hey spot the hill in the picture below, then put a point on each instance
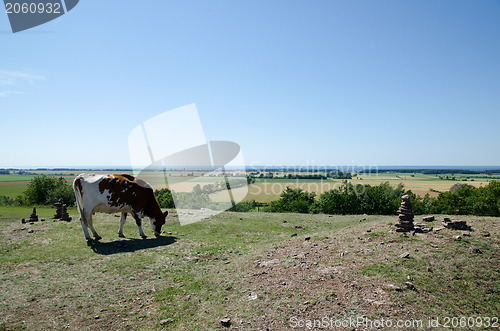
(246, 270)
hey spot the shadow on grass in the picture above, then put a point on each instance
(129, 245)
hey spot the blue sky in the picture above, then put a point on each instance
(293, 82)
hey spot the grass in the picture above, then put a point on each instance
(12, 190)
(258, 269)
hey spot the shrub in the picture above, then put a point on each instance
(293, 201)
(45, 190)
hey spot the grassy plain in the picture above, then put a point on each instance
(259, 270)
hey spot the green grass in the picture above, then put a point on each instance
(13, 190)
(15, 178)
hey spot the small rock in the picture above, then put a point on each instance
(299, 227)
(369, 230)
(226, 322)
(476, 250)
(428, 219)
(410, 285)
(31, 231)
(394, 287)
(307, 238)
(96, 317)
(405, 255)
(486, 234)
(293, 235)
(434, 246)
(429, 269)
(457, 237)
(166, 321)
(409, 277)
(285, 222)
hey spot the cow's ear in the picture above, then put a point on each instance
(165, 213)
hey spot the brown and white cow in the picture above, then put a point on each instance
(116, 193)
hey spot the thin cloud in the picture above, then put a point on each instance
(16, 80)
(5, 94)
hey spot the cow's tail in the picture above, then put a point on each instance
(77, 187)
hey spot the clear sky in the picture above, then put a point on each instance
(294, 82)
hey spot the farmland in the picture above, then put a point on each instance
(269, 189)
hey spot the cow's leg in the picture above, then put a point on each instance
(83, 220)
(91, 226)
(139, 223)
(122, 223)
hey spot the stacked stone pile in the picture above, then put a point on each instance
(405, 221)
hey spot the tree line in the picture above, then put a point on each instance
(42, 190)
(462, 199)
(385, 200)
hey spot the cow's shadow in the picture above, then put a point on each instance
(130, 245)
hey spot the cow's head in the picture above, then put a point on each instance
(157, 223)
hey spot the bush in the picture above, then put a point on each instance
(293, 201)
(45, 190)
(6, 201)
(164, 197)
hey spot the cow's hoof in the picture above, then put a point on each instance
(98, 238)
(121, 235)
(144, 237)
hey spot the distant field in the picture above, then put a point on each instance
(12, 189)
(265, 190)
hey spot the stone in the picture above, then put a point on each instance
(456, 225)
(476, 250)
(166, 321)
(428, 219)
(410, 285)
(405, 255)
(394, 287)
(226, 322)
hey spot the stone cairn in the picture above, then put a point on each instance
(59, 204)
(405, 221)
(61, 211)
(33, 217)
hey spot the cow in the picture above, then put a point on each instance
(116, 193)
